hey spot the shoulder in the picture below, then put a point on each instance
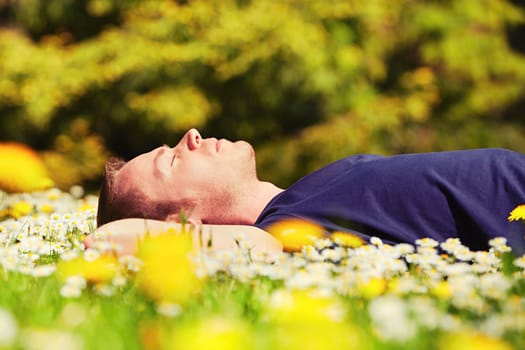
(336, 169)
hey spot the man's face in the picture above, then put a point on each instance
(203, 170)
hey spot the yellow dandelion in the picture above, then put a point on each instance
(307, 320)
(518, 213)
(295, 233)
(21, 169)
(394, 286)
(213, 333)
(167, 274)
(4, 213)
(100, 270)
(372, 287)
(46, 208)
(441, 290)
(470, 340)
(21, 208)
(346, 239)
(151, 335)
(53, 194)
(86, 207)
(303, 306)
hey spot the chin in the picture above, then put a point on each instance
(246, 146)
(247, 156)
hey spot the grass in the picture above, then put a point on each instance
(54, 294)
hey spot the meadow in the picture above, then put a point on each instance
(331, 293)
(306, 82)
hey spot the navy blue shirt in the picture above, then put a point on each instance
(465, 194)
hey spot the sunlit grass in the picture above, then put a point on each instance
(336, 293)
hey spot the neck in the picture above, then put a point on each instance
(251, 204)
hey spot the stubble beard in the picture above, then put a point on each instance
(224, 204)
(250, 161)
(227, 203)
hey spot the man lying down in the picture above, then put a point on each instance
(465, 194)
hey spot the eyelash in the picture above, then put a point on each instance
(173, 158)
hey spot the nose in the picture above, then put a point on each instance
(193, 139)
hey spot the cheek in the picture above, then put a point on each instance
(196, 176)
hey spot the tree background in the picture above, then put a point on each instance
(305, 81)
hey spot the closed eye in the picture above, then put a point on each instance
(175, 155)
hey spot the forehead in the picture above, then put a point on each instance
(138, 171)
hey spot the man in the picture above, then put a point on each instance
(464, 194)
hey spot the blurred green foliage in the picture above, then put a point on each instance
(305, 81)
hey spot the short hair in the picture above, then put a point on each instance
(114, 204)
